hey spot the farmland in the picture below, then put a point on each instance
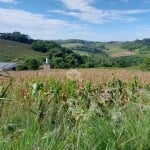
(73, 53)
(15, 51)
(94, 75)
(75, 109)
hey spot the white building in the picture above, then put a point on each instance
(47, 64)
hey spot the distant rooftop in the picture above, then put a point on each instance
(7, 65)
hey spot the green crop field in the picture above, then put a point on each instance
(82, 53)
(66, 109)
(114, 48)
(72, 45)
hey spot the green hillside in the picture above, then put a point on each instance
(140, 47)
(72, 45)
(82, 53)
(80, 46)
(78, 53)
(110, 54)
(114, 49)
(15, 51)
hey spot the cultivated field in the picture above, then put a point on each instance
(83, 109)
(94, 75)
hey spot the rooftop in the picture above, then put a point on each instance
(7, 65)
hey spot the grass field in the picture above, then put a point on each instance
(94, 75)
(72, 45)
(14, 51)
(79, 109)
(116, 50)
(82, 53)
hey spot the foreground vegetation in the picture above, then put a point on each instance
(49, 113)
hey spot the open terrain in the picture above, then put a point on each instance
(75, 109)
(75, 53)
(113, 49)
(15, 51)
(95, 75)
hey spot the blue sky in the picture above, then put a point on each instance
(96, 20)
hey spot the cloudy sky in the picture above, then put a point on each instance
(96, 20)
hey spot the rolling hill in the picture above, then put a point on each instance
(15, 51)
(95, 54)
(113, 49)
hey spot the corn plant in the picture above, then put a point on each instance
(68, 114)
(4, 88)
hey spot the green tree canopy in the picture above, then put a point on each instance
(16, 36)
(44, 46)
(32, 63)
(64, 58)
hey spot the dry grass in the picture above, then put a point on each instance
(125, 53)
(50, 114)
(95, 75)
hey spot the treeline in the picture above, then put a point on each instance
(73, 41)
(140, 45)
(89, 49)
(83, 45)
(17, 37)
(44, 46)
(106, 61)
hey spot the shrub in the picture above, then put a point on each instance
(32, 63)
(22, 67)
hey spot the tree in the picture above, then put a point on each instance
(44, 46)
(39, 46)
(16, 36)
(64, 58)
(146, 64)
(32, 63)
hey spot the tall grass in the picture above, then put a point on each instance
(56, 114)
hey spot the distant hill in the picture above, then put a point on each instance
(15, 51)
(114, 49)
(16, 36)
(141, 47)
(83, 47)
(74, 53)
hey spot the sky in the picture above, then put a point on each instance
(94, 20)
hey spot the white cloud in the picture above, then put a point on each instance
(83, 10)
(8, 1)
(36, 25)
(39, 26)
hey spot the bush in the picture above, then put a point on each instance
(32, 63)
(127, 61)
(29, 64)
(44, 46)
(22, 67)
(146, 64)
(64, 58)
